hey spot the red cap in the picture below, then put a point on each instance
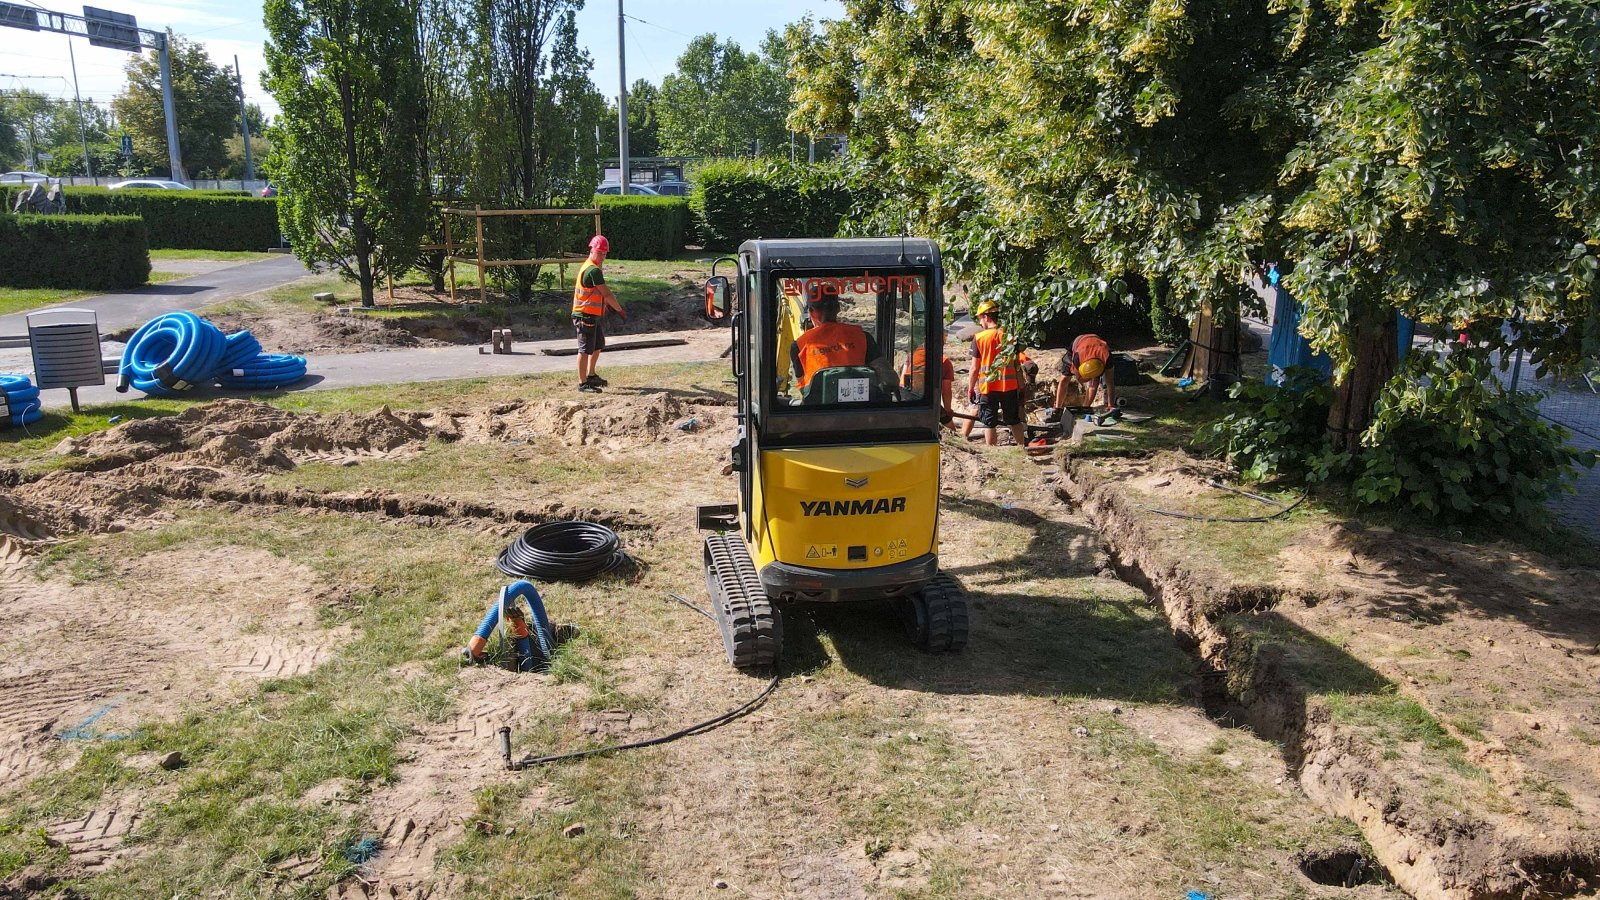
(599, 242)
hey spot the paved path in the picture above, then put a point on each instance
(343, 370)
(133, 308)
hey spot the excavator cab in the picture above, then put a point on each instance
(837, 456)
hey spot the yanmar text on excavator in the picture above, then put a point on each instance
(837, 352)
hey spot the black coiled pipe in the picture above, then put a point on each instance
(562, 551)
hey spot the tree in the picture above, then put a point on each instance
(345, 147)
(32, 119)
(444, 153)
(721, 99)
(1432, 158)
(202, 96)
(534, 110)
(644, 120)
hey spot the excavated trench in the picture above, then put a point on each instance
(1246, 683)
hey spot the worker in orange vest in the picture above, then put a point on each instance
(995, 380)
(590, 299)
(1085, 367)
(829, 343)
(914, 377)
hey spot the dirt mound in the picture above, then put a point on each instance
(240, 434)
(614, 422)
(324, 332)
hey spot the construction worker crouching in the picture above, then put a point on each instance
(590, 300)
(1082, 371)
(995, 381)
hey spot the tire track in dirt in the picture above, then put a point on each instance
(95, 841)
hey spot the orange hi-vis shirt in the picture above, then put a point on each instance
(997, 369)
(587, 301)
(1090, 346)
(827, 345)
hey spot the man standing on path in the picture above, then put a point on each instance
(995, 380)
(590, 298)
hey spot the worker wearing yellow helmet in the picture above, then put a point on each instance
(1084, 369)
(995, 379)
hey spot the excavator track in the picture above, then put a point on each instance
(935, 617)
(752, 631)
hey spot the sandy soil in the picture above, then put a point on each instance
(1500, 645)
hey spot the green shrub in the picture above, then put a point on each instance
(737, 200)
(1278, 430)
(641, 227)
(1447, 441)
(79, 252)
(186, 220)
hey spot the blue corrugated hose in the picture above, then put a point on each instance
(264, 372)
(242, 347)
(21, 405)
(170, 354)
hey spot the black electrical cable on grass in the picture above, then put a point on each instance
(697, 728)
(1283, 509)
(562, 551)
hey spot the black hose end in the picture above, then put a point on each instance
(504, 737)
(123, 381)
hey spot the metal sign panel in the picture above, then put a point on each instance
(127, 145)
(14, 16)
(118, 31)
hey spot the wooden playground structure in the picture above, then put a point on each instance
(480, 259)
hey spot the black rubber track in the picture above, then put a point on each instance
(752, 631)
(935, 617)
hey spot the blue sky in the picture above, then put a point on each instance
(39, 61)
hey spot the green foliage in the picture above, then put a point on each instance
(640, 227)
(1451, 444)
(72, 251)
(1277, 430)
(182, 220)
(346, 146)
(203, 96)
(737, 200)
(1167, 323)
(722, 98)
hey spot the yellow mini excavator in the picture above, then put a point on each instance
(837, 351)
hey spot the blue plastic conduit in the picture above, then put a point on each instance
(241, 347)
(20, 404)
(530, 657)
(170, 354)
(263, 372)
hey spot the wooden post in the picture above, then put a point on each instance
(391, 287)
(450, 255)
(483, 292)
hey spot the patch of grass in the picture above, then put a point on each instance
(14, 300)
(217, 255)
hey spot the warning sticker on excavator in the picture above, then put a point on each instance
(823, 551)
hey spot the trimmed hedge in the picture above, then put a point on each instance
(737, 200)
(641, 227)
(80, 252)
(185, 220)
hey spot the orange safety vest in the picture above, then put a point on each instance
(914, 375)
(1090, 346)
(587, 301)
(830, 344)
(997, 369)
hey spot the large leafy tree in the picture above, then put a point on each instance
(1433, 158)
(345, 146)
(534, 110)
(722, 98)
(644, 120)
(445, 151)
(202, 96)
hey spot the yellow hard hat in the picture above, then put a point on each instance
(1090, 368)
(986, 308)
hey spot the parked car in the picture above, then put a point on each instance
(271, 190)
(24, 178)
(674, 188)
(149, 184)
(615, 187)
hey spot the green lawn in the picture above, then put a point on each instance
(217, 255)
(15, 300)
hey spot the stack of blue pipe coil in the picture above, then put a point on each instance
(19, 401)
(173, 352)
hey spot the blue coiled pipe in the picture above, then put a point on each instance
(242, 347)
(534, 646)
(170, 354)
(265, 371)
(22, 401)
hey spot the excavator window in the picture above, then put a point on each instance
(847, 338)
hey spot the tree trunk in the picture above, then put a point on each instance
(1376, 358)
(1213, 342)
